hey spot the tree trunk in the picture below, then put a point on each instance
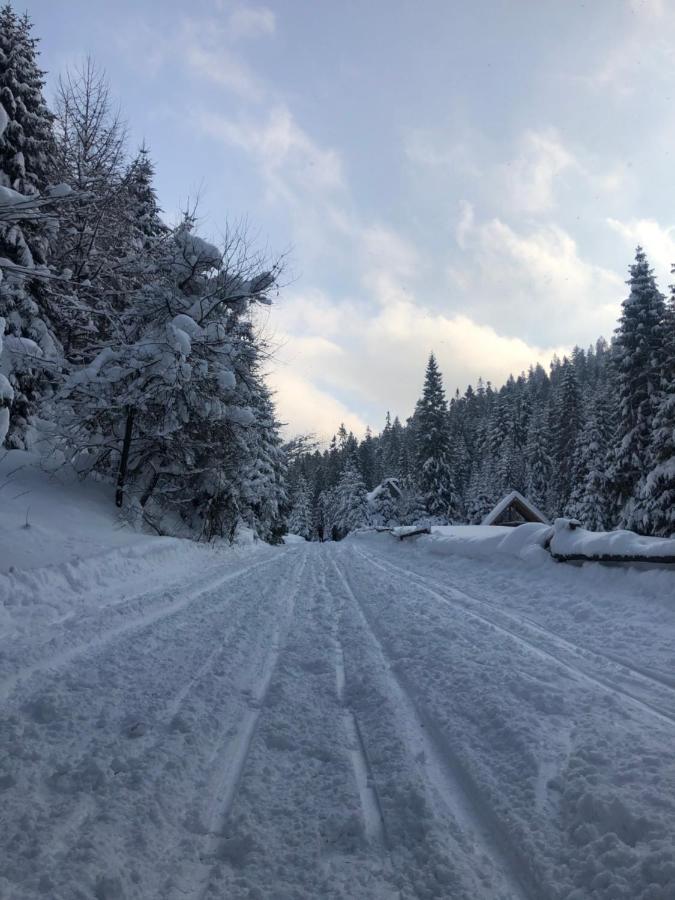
(147, 493)
(124, 461)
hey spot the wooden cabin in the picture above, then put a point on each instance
(514, 509)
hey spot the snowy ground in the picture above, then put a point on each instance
(355, 720)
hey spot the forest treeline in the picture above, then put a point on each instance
(593, 438)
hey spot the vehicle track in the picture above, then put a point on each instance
(512, 878)
(161, 739)
(230, 755)
(436, 591)
(94, 644)
(517, 618)
(371, 807)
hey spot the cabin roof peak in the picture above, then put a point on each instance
(521, 505)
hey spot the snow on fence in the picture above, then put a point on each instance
(565, 541)
(569, 542)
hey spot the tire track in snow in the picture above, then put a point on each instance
(371, 808)
(230, 755)
(521, 619)
(510, 873)
(435, 590)
(70, 825)
(136, 624)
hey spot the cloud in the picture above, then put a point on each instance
(203, 46)
(303, 408)
(531, 178)
(289, 160)
(375, 356)
(534, 282)
(653, 9)
(658, 242)
(250, 21)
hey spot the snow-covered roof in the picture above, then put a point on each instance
(525, 507)
(389, 484)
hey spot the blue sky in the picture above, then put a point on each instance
(468, 178)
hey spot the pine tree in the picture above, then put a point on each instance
(264, 474)
(655, 504)
(300, 519)
(351, 509)
(384, 508)
(589, 498)
(411, 508)
(637, 357)
(367, 461)
(436, 478)
(26, 145)
(538, 459)
(568, 422)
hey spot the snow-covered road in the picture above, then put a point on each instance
(356, 720)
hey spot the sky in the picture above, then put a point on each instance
(464, 178)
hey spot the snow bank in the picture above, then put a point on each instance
(571, 541)
(51, 592)
(63, 547)
(485, 541)
(536, 542)
(293, 539)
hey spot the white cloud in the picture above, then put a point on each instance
(657, 241)
(288, 158)
(204, 46)
(250, 21)
(376, 354)
(535, 282)
(530, 179)
(653, 9)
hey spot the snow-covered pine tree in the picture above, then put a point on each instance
(568, 421)
(384, 508)
(265, 496)
(26, 149)
(654, 511)
(368, 461)
(326, 515)
(480, 495)
(539, 465)
(411, 509)
(300, 518)
(351, 509)
(589, 498)
(436, 480)
(178, 413)
(637, 357)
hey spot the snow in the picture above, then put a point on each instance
(485, 541)
(368, 718)
(4, 119)
(226, 380)
(5, 387)
(389, 485)
(21, 346)
(10, 197)
(576, 541)
(505, 502)
(294, 539)
(60, 190)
